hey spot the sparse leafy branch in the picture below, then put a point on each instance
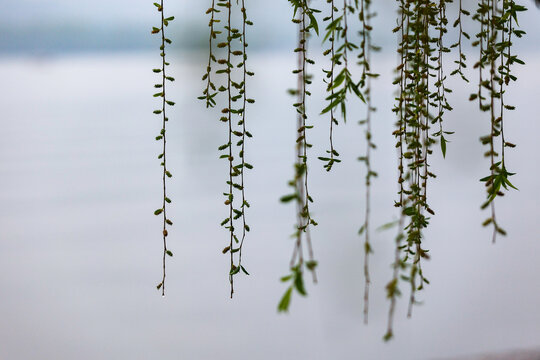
(230, 159)
(494, 40)
(330, 35)
(299, 184)
(245, 134)
(364, 60)
(210, 91)
(296, 280)
(392, 288)
(462, 58)
(162, 134)
(441, 90)
(338, 78)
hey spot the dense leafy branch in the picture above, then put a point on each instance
(231, 45)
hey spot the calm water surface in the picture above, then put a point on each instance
(80, 250)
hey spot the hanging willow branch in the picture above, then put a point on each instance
(392, 288)
(418, 141)
(299, 184)
(462, 58)
(414, 141)
(244, 135)
(495, 40)
(418, 20)
(234, 89)
(421, 105)
(339, 79)
(364, 60)
(162, 134)
(439, 94)
(210, 92)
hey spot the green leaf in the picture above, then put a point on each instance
(313, 23)
(283, 305)
(288, 198)
(362, 229)
(330, 106)
(286, 278)
(443, 146)
(409, 211)
(299, 283)
(387, 226)
(367, 248)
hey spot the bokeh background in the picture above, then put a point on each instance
(80, 251)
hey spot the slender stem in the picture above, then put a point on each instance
(366, 51)
(305, 143)
(163, 64)
(332, 41)
(297, 252)
(231, 166)
(244, 100)
(491, 54)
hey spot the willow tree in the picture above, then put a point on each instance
(420, 108)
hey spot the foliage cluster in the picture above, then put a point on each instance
(421, 103)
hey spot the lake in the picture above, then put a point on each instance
(80, 251)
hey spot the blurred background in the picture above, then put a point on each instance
(80, 251)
